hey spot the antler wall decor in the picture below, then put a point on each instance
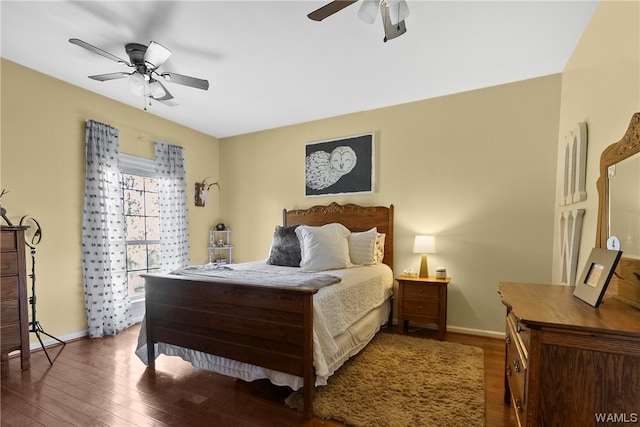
(202, 191)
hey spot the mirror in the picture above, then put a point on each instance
(624, 205)
(619, 209)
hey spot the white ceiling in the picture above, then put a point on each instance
(269, 65)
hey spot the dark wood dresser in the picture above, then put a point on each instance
(568, 363)
(14, 316)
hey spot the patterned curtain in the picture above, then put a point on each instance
(172, 198)
(103, 234)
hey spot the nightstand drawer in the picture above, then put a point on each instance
(420, 290)
(421, 308)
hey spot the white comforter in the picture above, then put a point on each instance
(335, 309)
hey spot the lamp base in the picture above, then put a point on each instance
(424, 269)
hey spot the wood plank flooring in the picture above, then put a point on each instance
(102, 383)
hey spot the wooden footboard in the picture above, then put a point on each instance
(265, 326)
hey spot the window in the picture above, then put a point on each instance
(140, 202)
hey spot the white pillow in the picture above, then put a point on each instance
(324, 248)
(362, 247)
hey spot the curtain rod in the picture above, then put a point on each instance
(138, 134)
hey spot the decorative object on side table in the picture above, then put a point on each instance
(220, 248)
(424, 301)
(596, 275)
(424, 245)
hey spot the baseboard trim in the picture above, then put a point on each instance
(479, 332)
(137, 311)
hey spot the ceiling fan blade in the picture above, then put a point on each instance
(97, 50)
(156, 55)
(185, 80)
(329, 9)
(109, 76)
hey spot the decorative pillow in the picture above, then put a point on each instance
(285, 247)
(378, 255)
(324, 248)
(362, 246)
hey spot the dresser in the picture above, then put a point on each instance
(14, 317)
(568, 363)
(423, 300)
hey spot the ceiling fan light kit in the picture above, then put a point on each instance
(145, 60)
(393, 14)
(156, 55)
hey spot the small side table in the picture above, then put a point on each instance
(423, 300)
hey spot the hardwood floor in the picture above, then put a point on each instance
(102, 383)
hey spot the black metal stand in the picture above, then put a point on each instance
(34, 325)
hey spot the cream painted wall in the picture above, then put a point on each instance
(42, 159)
(600, 86)
(475, 169)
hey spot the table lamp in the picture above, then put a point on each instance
(424, 245)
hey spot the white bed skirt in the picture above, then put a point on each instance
(349, 343)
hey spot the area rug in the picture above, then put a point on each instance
(399, 381)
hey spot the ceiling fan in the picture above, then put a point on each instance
(393, 14)
(145, 79)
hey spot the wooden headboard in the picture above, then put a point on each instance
(354, 217)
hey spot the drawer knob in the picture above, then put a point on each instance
(519, 405)
(508, 371)
(508, 338)
(516, 365)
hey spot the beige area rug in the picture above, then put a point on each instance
(405, 381)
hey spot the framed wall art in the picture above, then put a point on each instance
(596, 275)
(340, 166)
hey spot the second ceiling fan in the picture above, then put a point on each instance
(393, 14)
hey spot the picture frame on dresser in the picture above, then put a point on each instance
(596, 275)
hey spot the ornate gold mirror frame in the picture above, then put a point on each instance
(627, 275)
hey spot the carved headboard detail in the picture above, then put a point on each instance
(354, 217)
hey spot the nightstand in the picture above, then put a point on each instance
(423, 300)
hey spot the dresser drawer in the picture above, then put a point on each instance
(521, 333)
(9, 264)
(420, 291)
(9, 311)
(8, 242)
(516, 371)
(10, 337)
(421, 308)
(9, 288)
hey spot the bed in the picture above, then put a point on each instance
(250, 330)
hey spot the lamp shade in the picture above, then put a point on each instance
(368, 11)
(156, 89)
(156, 55)
(424, 245)
(137, 83)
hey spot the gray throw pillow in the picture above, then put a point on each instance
(285, 247)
